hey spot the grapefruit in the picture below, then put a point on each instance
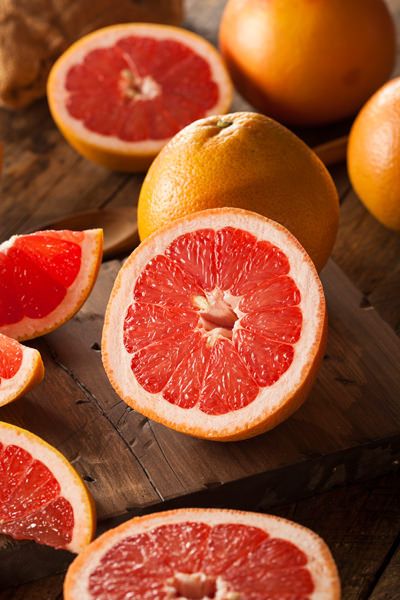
(45, 277)
(308, 63)
(203, 554)
(21, 368)
(216, 325)
(248, 161)
(120, 93)
(42, 497)
(374, 155)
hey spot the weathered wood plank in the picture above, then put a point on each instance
(388, 585)
(68, 416)
(370, 255)
(344, 410)
(360, 523)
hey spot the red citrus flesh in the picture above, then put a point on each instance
(35, 273)
(216, 302)
(158, 564)
(10, 358)
(31, 506)
(140, 88)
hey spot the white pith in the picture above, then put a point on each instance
(71, 486)
(11, 388)
(27, 327)
(270, 399)
(320, 563)
(108, 36)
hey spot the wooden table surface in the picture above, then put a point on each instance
(44, 179)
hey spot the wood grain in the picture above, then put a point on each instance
(44, 179)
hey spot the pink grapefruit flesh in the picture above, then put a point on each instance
(120, 93)
(205, 554)
(20, 369)
(44, 279)
(42, 498)
(214, 320)
(140, 88)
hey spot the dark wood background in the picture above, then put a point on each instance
(44, 179)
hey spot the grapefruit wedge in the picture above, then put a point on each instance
(42, 497)
(45, 277)
(216, 325)
(21, 368)
(119, 94)
(203, 554)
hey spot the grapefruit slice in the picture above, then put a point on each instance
(203, 554)
(21, 368)
(216, 325)
(119, 94)
(45, 277)
(42, 497)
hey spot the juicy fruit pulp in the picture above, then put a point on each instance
(140, 88)
(10, 358)
(190, 560)
(35, 273)
(31, 506)
(214, 318)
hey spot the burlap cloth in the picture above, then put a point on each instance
(34, 32)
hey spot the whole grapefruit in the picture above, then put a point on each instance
(374, 155)
(308, 62)
(243, 160)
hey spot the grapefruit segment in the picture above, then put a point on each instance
(186, 382)
(45, 277)
(164, 282)
(279, 324)
(120, 93)
(215, 325)
(266, 360)
(21, 368)
(205, 553)
(227, 385)
(42, 498)
(194, 253)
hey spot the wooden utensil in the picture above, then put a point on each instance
(332, 152)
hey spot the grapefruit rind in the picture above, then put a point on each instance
(273, 404)
(92, 252)
(72, 487)
(320, 563)
(30, 374)
(109, 151)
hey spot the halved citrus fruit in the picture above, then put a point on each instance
(203, 554)
(120, 93)
(42, 497)
(216, 325)
(21, 368)
(45, 277)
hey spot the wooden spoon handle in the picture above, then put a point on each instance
(332, 152)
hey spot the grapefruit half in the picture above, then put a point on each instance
(42, 497)
(21, 368)
(119, 94)
(45, 277)
(203, 554)
(216, 325)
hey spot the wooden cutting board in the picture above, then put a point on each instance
(348, 429)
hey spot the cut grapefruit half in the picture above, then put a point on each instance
(21, 368)
(216, 325)
(42, 497)
(119, 94)
(203, 554)
(45, 277)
